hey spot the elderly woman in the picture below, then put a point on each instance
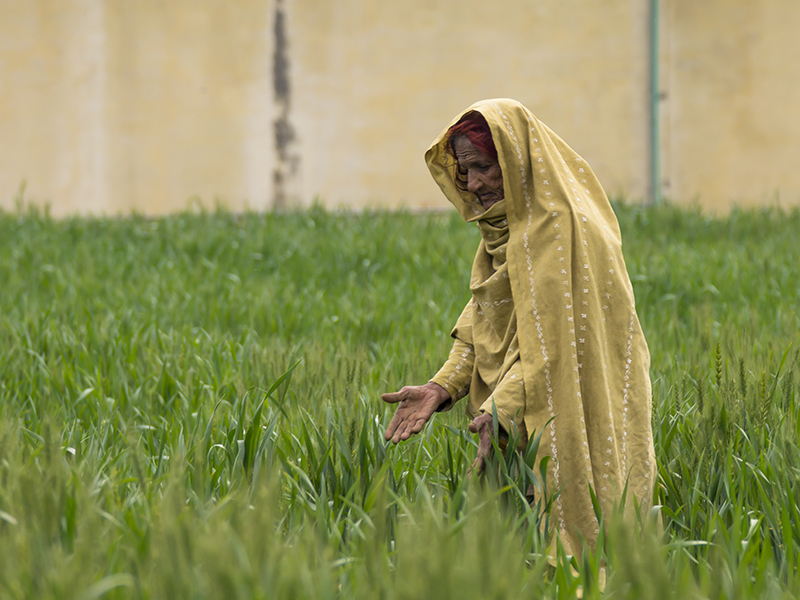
(550, 338)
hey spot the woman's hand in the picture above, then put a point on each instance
(482, 425)
(417, 404)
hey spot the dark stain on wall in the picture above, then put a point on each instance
(287, 162)
(280, 59)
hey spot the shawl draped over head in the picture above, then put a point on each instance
(550, 335)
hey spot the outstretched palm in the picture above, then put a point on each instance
(417, 404)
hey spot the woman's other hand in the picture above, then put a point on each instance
(482, 425)
(417, 404)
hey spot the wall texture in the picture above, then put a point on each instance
(732, 109)
(367, 110)
(109, 106)
(112, 106)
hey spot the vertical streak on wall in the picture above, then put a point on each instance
(655, 100)
(666, 72)
(287, 162)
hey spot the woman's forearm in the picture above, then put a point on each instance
(455, 375)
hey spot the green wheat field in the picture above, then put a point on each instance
(190, 408)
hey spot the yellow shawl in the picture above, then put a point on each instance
(574, 333)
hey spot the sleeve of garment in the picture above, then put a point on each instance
(455, 375)
(508, 399)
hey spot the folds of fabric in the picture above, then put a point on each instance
(552, 304)
(488, 326)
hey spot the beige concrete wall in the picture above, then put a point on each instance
(732, 109)
(109, 106)
(367, 109)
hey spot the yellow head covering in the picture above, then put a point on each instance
(583, 356)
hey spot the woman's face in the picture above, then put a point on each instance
(483, 174)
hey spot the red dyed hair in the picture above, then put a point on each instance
(476, 129)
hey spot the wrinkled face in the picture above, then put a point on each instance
(483, 174)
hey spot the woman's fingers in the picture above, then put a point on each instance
(400, 427)
(394, 397)
(419, 423)
(405, 425)
(485, 441)
(477, 466)
(404, 431)
(392, 428)
(479, 422)
(482, 425)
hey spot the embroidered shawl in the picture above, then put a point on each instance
(581, 351)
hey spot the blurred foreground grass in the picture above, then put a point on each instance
(151, 446)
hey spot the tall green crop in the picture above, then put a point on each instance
(189, 407)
